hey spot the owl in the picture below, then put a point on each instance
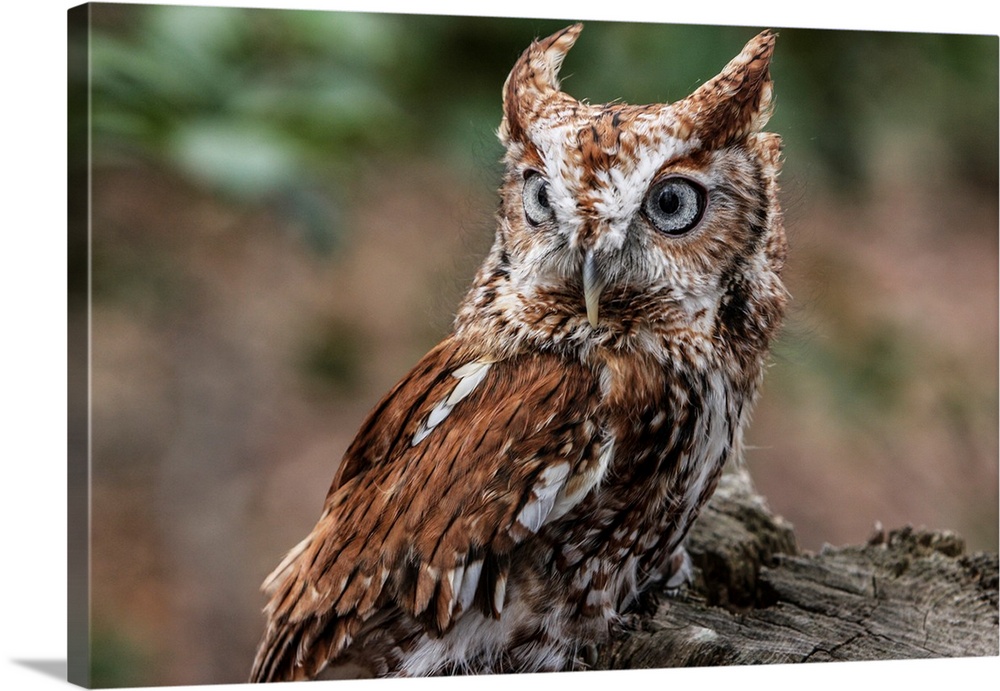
(512, 497)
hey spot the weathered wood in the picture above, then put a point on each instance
(756, 599)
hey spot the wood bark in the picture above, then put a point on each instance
(757, 599)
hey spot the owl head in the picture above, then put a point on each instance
(629, 222)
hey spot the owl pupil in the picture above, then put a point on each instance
(670, 202)
(675, 205)
(543, 197)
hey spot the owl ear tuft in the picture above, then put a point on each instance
(534, 80)
(736, 102)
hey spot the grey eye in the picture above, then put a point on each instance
(675, 205)
(535, 198)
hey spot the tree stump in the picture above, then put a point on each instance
(756, 599)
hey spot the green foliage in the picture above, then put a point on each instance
(117, 660)
(285, 82)
(843, 95)
(258, 105)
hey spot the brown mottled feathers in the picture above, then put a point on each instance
(539, 469)
(401, 519)
(737, 101)
(533, 82)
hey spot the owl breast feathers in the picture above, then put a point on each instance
(538, 470)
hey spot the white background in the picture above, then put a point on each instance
(33, 294)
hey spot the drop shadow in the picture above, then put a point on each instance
(57, 669)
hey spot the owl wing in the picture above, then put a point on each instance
(460, 462)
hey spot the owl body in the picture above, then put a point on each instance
(538, 470)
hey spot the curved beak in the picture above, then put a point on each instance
(593, 284)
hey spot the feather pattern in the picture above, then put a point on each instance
(498, 477)
(539, 469)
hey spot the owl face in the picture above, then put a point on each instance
(645, 214)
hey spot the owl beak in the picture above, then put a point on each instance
(593, 284)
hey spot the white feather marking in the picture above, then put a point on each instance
(657, 420)
(439, 413)
(572, 492)
(455, 576)
(499, 593)
(421, 432)
(469, 376)
(451, 606)
(543, 497)
(467, 383)
(470, 583)
(293, 554)
(470, 368)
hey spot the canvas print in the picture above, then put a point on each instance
(412, 345)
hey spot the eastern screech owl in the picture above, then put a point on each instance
(539, 469)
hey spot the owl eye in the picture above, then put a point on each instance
(675, 205)
(535, 198)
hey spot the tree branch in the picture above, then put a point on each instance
(756, 599)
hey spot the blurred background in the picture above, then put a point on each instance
(287, 207)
